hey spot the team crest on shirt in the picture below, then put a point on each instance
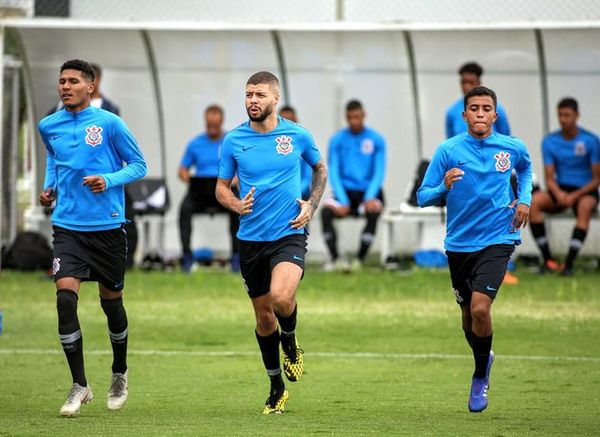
(55, 265)
(579, 148)
(502, 161)
(284, 145)
(93, 136)
(367, 146)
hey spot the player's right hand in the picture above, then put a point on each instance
(453, 175)
(245, 205)
(47, 197)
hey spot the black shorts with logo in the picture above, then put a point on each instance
(98, 256)
(258, 258)
(481, 271)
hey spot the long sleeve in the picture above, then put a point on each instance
(449, 124)
(433, 189)
(379, 173)
(524, 172)
(334, 173)
(128, 150)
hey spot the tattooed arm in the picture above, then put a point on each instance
(317, 188)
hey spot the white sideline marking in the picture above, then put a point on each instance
(366, 355)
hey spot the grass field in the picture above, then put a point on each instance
(385, 355)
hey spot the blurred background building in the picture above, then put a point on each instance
(164, 62)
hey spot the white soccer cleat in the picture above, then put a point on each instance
(117, 395)
(356, 265)
(77, 396)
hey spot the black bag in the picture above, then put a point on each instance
(29, 251)
(419, 176)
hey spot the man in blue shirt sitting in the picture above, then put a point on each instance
(470, 77)
(572, 173)
(203, 154)
(87, 149)
(472, 172)
(356, 161)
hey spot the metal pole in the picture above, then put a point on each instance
(1, 124)
(14, 141)
(539, 42)
(414, 85)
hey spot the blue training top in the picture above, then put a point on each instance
(357, 162)
(456, 125)
(478, 212)
(572, 159)
(203, 153)
(270, 162)
(86, 143)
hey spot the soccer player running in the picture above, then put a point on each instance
(572, 171)
(472, 172)
(266, 152)
(87, 148)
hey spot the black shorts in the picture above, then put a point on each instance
(201, 196)
(356, 199)
(99, 256)
(258, 258)
(481, 271)
(570, 189)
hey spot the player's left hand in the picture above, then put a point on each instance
(521, 217)
(306, 212)
(96, 183)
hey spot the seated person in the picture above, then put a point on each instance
(470, 77)
(572, 172)
(289, 113)
(357, 156)
(203, 154)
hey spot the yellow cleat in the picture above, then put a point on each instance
(293, 360)
(276, 403)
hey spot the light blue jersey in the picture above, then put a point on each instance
(356, 161)
(572, 159)
(455, 124)
(271, 163)
(203, 153)
(478, 205)
(86, 143)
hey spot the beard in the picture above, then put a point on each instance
(262, 116)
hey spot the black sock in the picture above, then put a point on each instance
(69, 332)
(117, 331)
(269, 348)
(469, 337)
(329, 232)
(368, 235)
(288, 324)
(576, 243)
(481, 352)
(539, 235)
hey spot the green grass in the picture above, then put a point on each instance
(541, 382)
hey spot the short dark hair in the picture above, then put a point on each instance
(214, 108)
(480, 91)
(78, 64)
(353, 104)
(289, 108)
(263, 77)
(569, 102)
(97, 69)
(472, 68)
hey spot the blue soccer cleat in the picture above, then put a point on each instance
(478, 400)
